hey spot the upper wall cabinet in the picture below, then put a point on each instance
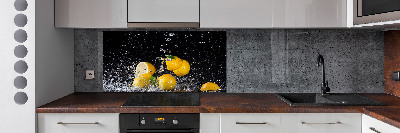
(203, 13)
(309, 13)
(273, 13)
(163, 13)
(236, 13)
(90, 13)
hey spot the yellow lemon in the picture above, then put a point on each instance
(144, 67)
(143, 81)
(183, 70)
(173, 64)
(209, 86)
(166, 82)
(146, 75)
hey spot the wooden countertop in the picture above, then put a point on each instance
(219, 103)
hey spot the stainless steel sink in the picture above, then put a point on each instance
(316, 99)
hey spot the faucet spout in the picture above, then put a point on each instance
(324, 84)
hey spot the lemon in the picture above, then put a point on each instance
(174, 64)
(209, 86)
(144, 67)
(143, 81)
(166, 82)
(183, 70)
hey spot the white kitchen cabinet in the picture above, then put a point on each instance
(309, 13)
(273, 13)
(236, 13)
(290, 123)
(143, 11)
(250, 123)
(372, 125)
(321, 123)
(209, 122)
(78, 123)
(90, 13)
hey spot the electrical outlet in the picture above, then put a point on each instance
(89, 74)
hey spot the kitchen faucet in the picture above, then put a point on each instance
(324, 85)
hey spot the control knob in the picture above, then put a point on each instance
(175, 122)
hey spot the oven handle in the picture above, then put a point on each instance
(163, 131)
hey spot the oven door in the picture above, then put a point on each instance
(164, 131)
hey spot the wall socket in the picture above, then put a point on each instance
(396, 75)
(89, 74)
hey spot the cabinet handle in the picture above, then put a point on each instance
(373, 129)
(251, 122)
(77, 123)
(322, 123)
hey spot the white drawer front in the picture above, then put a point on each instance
(107, 123)
(209, 122)
(372, 125)
(330, 123)
(321, 123)
(250, 123)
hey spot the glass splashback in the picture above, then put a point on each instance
(164, 61)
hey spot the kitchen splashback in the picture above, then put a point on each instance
(203, 52)
(264, 60)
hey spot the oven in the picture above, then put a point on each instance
(159, 123)
(374, 11)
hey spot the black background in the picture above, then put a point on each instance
(204, 50)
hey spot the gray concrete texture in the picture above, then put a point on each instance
(269, 61)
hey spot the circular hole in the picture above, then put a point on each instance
(20, 5)
(20, 36)
(20, 67)
(20, 51)
(20, 20)
(20, 98)
(20, 82)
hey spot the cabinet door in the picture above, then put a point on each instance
(250, 123)
(78, 123)
(310, 13)
(372, 125)
(209, 122)
(163, 11)
(329, 13)
(236, 13)
(321, 123)
(90, 13)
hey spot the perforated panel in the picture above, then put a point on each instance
(17, 66)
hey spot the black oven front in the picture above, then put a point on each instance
(159, 123)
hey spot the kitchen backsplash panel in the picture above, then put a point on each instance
(265, 60)
(201, 53)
